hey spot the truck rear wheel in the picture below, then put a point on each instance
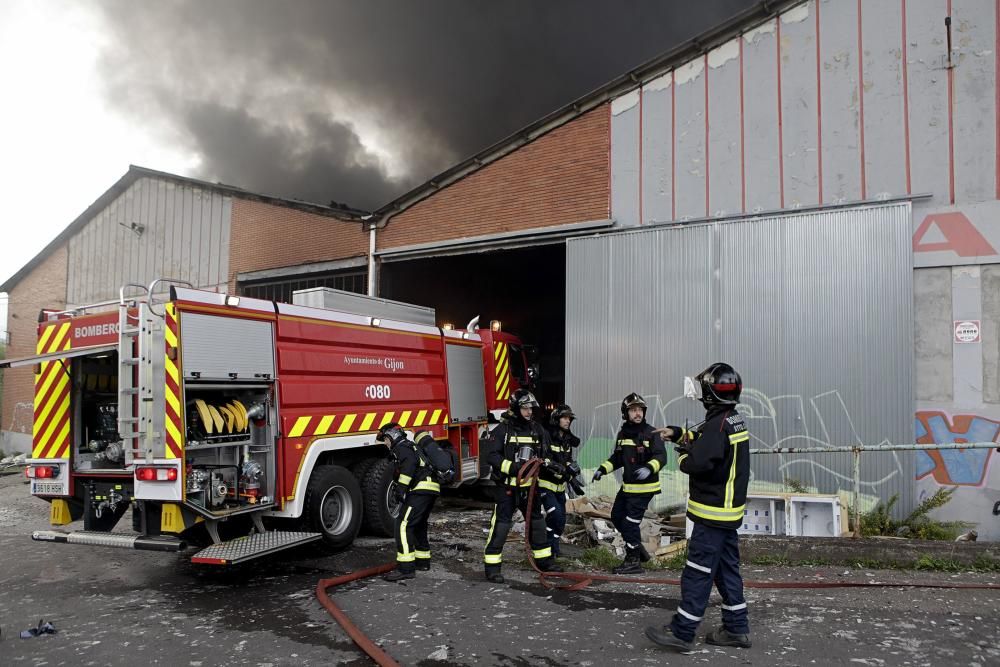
(334, 505)
(381, 506)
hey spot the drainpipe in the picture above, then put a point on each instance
(371, 254)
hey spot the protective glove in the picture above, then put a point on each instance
(447, 477)
(572, 468)
(642, 473)
(598, 474)
(555, 468)
(400, 492)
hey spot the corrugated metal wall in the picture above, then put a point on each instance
(185, 236)
(814, 309)
(835, 100)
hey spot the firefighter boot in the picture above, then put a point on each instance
(664, 636)
(722, 637)
(631, 563)
(400, 575)
(644, 556)
(424, 564)
(548, 565)
(493, 575)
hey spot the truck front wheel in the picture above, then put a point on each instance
(381, 506)
(334, 505)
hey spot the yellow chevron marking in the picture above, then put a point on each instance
(171, 369)
(57, 342)
(299, 427)
(435, 417)
(404, 418)
(173, 402)
(345, 425)
(170, 337)
(386, 418)
(367, 423)
(44, 340)
(324, 425)
(421, 416)
(175, 434)
(56, 418)
(52, 402)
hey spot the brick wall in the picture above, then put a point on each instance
(560, 178)
(44, 287)
(264, 236)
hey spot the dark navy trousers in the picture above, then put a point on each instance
(713, 558)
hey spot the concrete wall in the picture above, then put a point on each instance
(847, 100)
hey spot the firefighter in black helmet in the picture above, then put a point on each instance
(559, 469)
(639, 452)
(716, 457)
(416, 489)
(513, 443)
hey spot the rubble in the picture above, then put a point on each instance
(661, 535)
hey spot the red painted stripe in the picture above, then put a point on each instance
(708, 210)
(673, 145)
(743, 156)
(175, 449)
(781, 131)
(861, 107)
(641, 217)
(906, 107)
(63, 451)
(951, 124)
(819, 112)
(53, 412)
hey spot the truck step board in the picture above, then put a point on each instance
(94, 538)
(253, 546)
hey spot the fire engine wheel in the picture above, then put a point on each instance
(381, 506)
(334, 506)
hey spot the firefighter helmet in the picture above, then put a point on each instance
(522, 398)
(720, 385)
(391, 434)
(561, 411)
(631, 400)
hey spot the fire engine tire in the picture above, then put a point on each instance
(381, 507)
(334, 505)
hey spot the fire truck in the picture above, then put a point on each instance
(199, 410)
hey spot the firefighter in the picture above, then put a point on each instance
(517, 440)
(640, 453)
(560, 469)
(416, 489)
(716, 457)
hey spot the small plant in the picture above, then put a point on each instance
(795, 486)
(917, 525)
(599, 557)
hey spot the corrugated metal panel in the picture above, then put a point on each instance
(789, 301)
(185, 235)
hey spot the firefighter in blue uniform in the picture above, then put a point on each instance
(640, 453)
(716, 458)
(560, 468)
(517, 440)
(417, 489)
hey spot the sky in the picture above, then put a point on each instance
(322, 100)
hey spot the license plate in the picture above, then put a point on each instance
(47, 488)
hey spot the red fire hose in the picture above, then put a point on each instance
(576, 580)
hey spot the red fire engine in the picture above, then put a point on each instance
(208, 408)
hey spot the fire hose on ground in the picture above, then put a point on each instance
(577, 580)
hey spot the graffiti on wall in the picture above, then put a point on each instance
(954, 467)
(822, 420)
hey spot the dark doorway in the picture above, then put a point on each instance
(524, 288)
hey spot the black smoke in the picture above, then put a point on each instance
(282, 97)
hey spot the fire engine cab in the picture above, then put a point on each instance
(194, 409)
